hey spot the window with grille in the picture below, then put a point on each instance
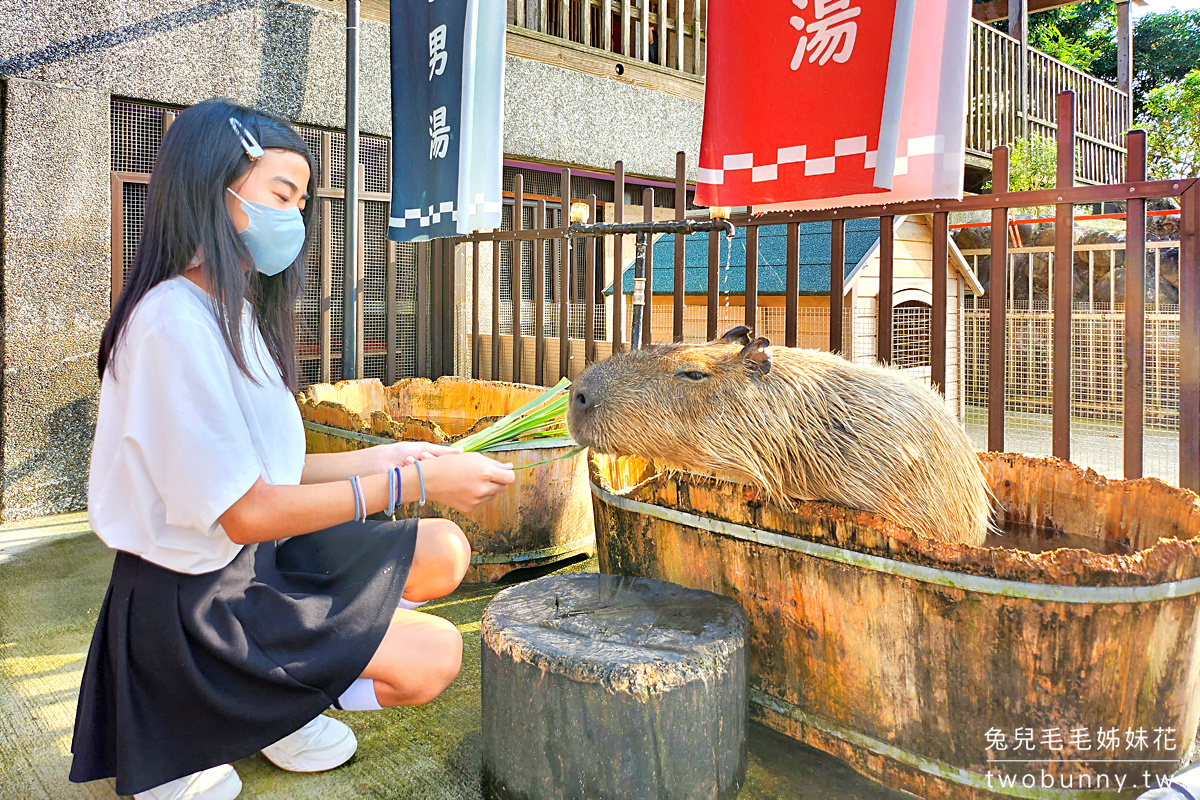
(137, 131)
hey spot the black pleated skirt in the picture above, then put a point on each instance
(186, 672)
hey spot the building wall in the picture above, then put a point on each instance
(62, 62)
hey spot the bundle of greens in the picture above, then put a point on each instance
(541, 420)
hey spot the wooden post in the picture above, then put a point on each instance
(714, 278)
(422, 321)
(324, 329)
(626, 30)
(618, 282)
(436, 352)
(1135, 306)
(644, 52)
(116, 188)
(696, 15)
(751, 299)
(1125, 59)
(539, 297)
(606, 25)
(360, 267)
(589, 288)
(1018, 28)
(648, 309)
(1064, 269)
(680, 239)
(1189, 338)
(495, 310)
(997, 310)
(475, 310)
(837, 283)
(883, 316)
(517, 253)
(679, 6)
(389, 304)
(791, 298)
(564, 278)
(937, 317)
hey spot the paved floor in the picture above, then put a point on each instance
(1094, 443)
(51, 586)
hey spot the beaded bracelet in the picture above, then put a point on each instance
(421, 502)
(360, 500)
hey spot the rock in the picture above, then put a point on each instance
(598, 686)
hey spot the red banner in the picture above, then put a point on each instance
(802, 99)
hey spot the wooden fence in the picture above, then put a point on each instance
(1002, 108)
(677, 26)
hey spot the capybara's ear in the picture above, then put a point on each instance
(738, 335)
(756, 355)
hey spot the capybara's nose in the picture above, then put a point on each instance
(581, 400)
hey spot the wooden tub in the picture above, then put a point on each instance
(909, 658)
(546, 516)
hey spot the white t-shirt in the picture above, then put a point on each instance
(182, 433)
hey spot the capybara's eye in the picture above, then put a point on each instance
(691, 375)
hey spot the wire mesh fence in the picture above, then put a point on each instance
(1097, 384)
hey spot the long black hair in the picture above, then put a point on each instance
(199, 157)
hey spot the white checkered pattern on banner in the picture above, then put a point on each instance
(425, 217)
(798, 154)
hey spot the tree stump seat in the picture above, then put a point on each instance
(600, 686)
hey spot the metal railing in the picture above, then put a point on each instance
(551, 358)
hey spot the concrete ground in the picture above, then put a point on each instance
(1094, 443)
(53, 574)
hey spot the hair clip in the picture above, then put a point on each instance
(253, 149)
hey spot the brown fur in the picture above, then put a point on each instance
(801, 424)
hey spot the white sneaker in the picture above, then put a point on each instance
(322, 744)
(215, 783)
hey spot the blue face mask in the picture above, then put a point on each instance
(274, 235)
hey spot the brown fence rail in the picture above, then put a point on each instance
(551, 350)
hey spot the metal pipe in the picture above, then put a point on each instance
(639, 289)
(351, 347)
(680, 226)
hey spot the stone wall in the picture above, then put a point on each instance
(63, 61)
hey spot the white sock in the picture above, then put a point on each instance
(409, 604)
(360, 696)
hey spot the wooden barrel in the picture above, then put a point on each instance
(947, 670)
(599, 687)
(546, 516)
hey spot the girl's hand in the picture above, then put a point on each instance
(401, 454)
(465, 480)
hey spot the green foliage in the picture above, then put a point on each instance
(1171, 118)
(1078, 35)
(1166, 44)
(1031, 164)
(1166, 47)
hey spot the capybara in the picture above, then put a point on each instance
(801, 424)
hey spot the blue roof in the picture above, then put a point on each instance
(861, 235)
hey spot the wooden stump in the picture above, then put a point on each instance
(599, 686)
